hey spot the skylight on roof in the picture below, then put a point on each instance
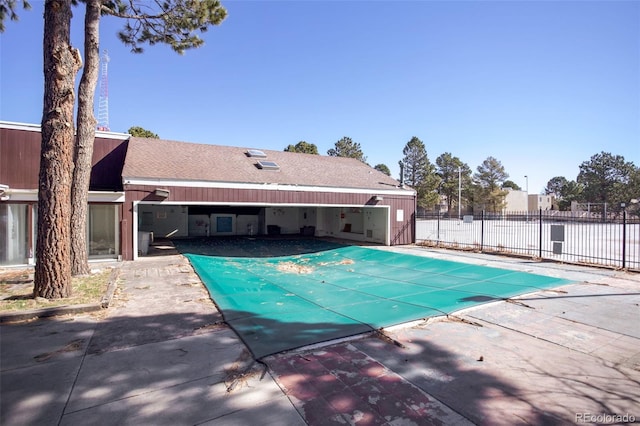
(268, 165)
(256, 153)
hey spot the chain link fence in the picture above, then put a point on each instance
(572, 237)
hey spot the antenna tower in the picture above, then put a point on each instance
(103, 100)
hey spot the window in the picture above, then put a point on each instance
(256, 153)
(268, 165)
(19, 222)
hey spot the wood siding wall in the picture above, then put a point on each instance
(20, 161)
(19, 158)
(402, 232)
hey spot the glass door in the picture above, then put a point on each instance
(14, 234)
(102, 230)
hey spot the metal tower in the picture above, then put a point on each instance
(103, 100)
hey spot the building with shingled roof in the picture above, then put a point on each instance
(151, 188)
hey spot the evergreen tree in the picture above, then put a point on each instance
(52, 277)
(85, 135)
(175, 23)
(571, 192)
(456, 176)
(345, 147)
(303, 147)
(383, 168)
(416, 163)
(489, 177)
(419, 173)
(141, 132)
(606, 179)
(511, 184)
(8, 8)
(555, 186)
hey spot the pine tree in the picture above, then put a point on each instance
(419, 173)
(52, 278)
(303, 147)
(346, 147)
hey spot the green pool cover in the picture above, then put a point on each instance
(285, 302)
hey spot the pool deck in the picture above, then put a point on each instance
(161, 354)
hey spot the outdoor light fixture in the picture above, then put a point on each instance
(377, 198)
(163, 193)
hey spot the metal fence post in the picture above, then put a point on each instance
(482, 232)
(540, 242)
(438, 211)
(624, 238)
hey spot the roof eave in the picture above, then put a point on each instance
(273, 186)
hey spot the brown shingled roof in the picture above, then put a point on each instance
(171, 160)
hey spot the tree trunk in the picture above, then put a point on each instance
(61, 63)
(84, 140)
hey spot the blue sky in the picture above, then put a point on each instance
(539, 85)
